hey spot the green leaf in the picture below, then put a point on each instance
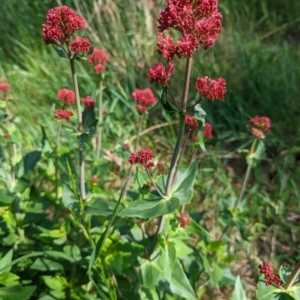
(216, 275)
(285, 272)
(167, 259)
(166, 104)
(9, 279)
(193, 227)
(98, 207)
(44, 264)
(55, 283)
(270, 292)
(179, 283)
(34, 254)
(89, 121)
(6, 260)
(151, 274)
(145, 209)
(200, 139)
(294, 292)
(238, 292)
(198, 113)
(60, 52)
(28, 163)
(184, 182)
(258, 154)
(66, 256)
(69, 199)
(6, 197)
(17, 292)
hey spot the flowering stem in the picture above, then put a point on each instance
(289, 283)
(135, 149)
(14, 151)
(181, 154)
(56, 169)
(252, 149)
(100, 116)
(173, 167)
(80, 129)
(138, 133)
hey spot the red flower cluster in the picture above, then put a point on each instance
(160, 165)
(210, 88)
(261, 126)
(191, 122)
(94, 179)
(207, 131)
(4, 87)
(81, 45)
(67, 96)
(99, 59)
(143, 157)
(198, 21)
(63, 114)
(88, 102)
(62, 23)
(266, 269)
(161, 74)
(145, 99)
(183, 220)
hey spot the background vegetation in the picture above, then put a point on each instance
(258, 54)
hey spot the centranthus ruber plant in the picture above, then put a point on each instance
(127, 226)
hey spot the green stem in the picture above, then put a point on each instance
(181, 154)
(172, 169)
(246, 179)
(56, 214)
(135, 148)
(173, 166)
(80, 129)
(296, 271)
(138, 133)
(100, 121)
(153, 183)
(13, 148)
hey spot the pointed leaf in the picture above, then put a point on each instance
(151, 274)
(198, 113)
(285, 272)
(17, 292)
(270, 292)
(60, 52)
(200, 139)
(6, 260)
(89, 120)
(28, 163)
(6, 197)
(43, 264)
(184, 182)
(258, 154)
(166, 104)
(145, 209)
(179, 284)
(238, 293)
(167, 259)
(98, 207)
